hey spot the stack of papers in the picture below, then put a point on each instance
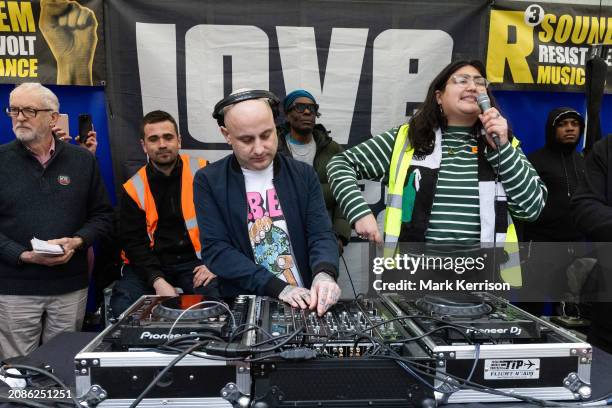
(43, 247)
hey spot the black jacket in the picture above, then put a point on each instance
(326, 149)
(65, 199)
(592, 210)
(592, 203)
(560, 168)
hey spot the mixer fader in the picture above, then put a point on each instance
(344, 331)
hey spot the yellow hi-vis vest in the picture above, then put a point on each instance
(401, 158)
(139, 190)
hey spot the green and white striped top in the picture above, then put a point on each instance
(455, 212)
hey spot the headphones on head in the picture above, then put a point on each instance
(238, 97)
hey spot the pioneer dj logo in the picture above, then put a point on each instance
(147, 335)
(512, 330)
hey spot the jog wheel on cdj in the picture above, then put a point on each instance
(173, 307)
(458, 305)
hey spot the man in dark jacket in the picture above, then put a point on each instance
(304, 140)
(52, 191)
(263, 224)
(559, 165)
(592, 210)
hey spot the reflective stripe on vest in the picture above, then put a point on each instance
(138, 189)
(400, 161)
(510, 271)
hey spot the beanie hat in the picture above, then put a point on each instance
(291, 97)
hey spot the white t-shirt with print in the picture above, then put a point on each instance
(267, 227)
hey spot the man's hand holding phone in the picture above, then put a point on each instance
(87, 135)
(91, 141)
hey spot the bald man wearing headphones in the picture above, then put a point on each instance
(262, 217)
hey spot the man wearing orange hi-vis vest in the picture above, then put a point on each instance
(158, 226)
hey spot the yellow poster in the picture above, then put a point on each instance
(51, 41)
(546, 46)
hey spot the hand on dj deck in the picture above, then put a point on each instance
(163, 288)
(324, 293)
(295, 296)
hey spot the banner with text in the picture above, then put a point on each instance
(545, 46)
(52, 42)
(368, 64)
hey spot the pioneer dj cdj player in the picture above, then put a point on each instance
(495, 344)
(385, 351)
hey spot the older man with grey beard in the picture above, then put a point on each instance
(52, 191)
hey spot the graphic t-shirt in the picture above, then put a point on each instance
(267, 226)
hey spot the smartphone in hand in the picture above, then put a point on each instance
(62, 123)
(85, 126)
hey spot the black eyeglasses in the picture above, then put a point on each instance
(28, 113)
(301, 107)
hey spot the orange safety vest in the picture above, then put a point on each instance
(138, 189)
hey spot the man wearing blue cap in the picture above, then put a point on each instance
(303, 139)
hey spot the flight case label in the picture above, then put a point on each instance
(511, 369)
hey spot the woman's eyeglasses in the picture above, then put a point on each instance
(463, 80)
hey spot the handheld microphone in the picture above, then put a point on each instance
(484, 103)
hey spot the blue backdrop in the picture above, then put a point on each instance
(527, 112)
